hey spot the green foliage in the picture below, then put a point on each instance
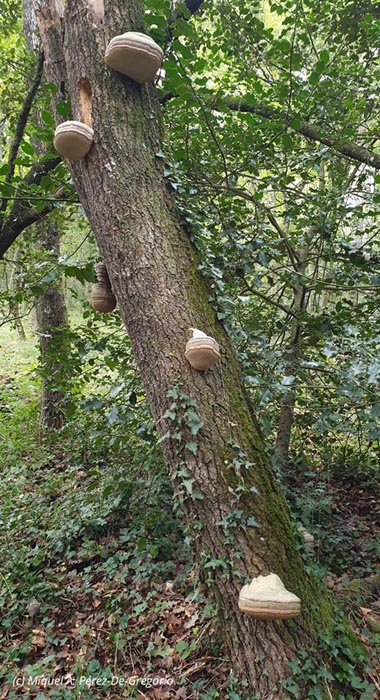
(341, 678)
(253, 193)
(112, 517)
(187, 424)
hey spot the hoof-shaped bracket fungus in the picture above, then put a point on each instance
(135, 55)
(73, 140)
(202, 351)
(103, 299)
(266, 597)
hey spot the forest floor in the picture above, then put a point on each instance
(97, 584)
(108, 612)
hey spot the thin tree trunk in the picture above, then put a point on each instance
(227, 485)
(286, 417)
(50, 306)
(51, 326)
(14, 304)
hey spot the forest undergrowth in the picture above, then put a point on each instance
(98, 590)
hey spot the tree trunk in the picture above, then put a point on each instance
(14, 304)
(50, 306)
(227, 485)
(51, 328)
(286, 417)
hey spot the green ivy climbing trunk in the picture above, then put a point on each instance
(236, 514)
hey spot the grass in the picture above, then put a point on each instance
(18, 357)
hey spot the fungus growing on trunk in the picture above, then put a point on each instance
(266, 597)
(308, 538)
(202, 351)
(134, 54)
(103, 299)
(73, 140)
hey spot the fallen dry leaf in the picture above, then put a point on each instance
(39, 638)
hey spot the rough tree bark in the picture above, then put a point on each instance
(153, 269)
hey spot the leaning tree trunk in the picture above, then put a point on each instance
(227, 485)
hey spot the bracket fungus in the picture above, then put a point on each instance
(308, 538)
(202, 351)
(73, 140)
(103, 299)
(266, 597)
(135, 55)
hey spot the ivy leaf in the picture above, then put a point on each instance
(192, 447)
(288, 380)
(252, 522)
(188, 484)
(193, 421)
(63, 108)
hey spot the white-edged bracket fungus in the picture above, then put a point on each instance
(266, 597)
(73, 140)
(135, 55)
(202, 351)
(308, 538)
(103, 299)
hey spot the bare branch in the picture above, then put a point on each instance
(270, 301)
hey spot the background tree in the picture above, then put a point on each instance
(50, 305)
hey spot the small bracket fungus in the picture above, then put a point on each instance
(202, 351)
(136, 55)
(266, 597)
(103, 299)
(308, 538)
(73, 140)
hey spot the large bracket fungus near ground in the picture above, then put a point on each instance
(266, 597)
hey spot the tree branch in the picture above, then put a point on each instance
(312, 132)
(25, 217)
(22, 216)
(21, 123)
(270, 301)
(347, 149)
(246, 195)
(39, 169)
